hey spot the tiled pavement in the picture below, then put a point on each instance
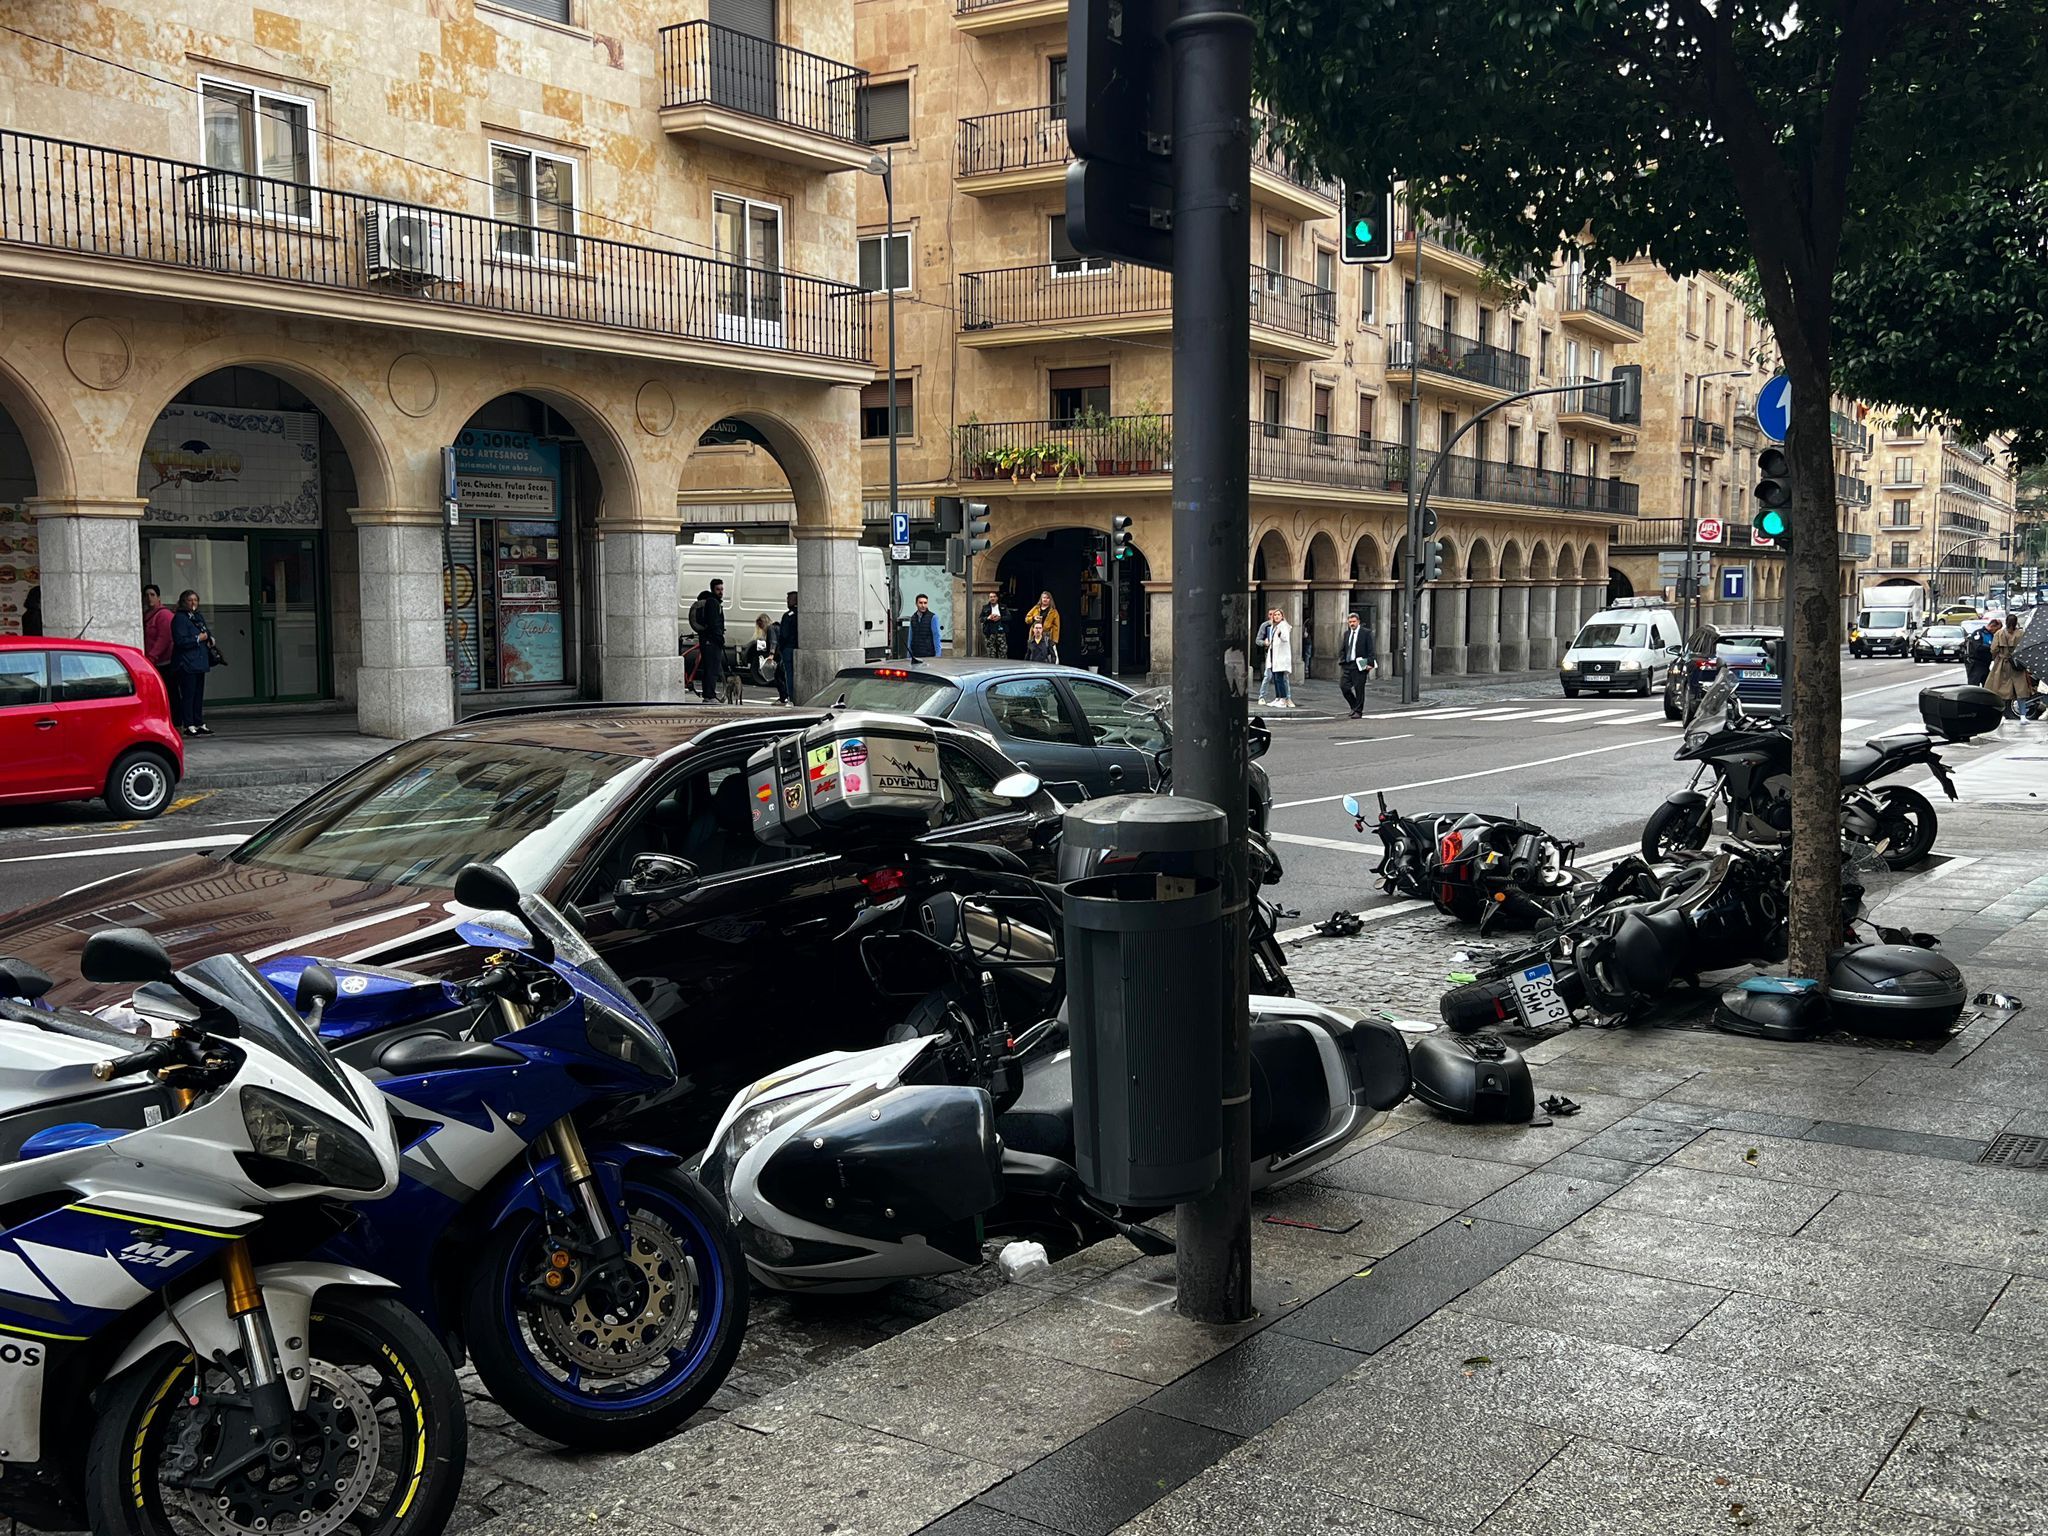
(1751, 1287)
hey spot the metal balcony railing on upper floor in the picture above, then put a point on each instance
(1289, 305)
(84, 200)
(1708, 436)
(1669, 533)
(1080, 292)
(1848, 432)
(1438, 351)
(1597, 296)
(703, 63)
(1029, 138)
(1267, 156)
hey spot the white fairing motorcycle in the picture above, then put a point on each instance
(167, 1365)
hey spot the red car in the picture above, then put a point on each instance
(81, 719)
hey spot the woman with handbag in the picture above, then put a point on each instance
(193, 655)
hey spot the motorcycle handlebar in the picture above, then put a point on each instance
(156, 1054)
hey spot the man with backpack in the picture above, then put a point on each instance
(707, 623)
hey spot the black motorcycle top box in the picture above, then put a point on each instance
(1898, 991)
(1472, 1077)
(1960, 711)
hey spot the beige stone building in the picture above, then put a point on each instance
(1704, 357)
(260, 265)
(1944, 517)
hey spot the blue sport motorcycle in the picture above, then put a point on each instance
(594, 1284)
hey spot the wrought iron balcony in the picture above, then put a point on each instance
(1707, 436)
(256, 240)
(1592, 296)
(1322, 195)
(1439, 352)
(761, 97)
(1669, 533)
(1852, 492)
(1005, 143)
(1289, 307)
(1849, 432)
(1595, 402)
(1012, 305)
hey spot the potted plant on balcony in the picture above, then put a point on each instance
(1397, 469)
(1150, 438)
(1059, 461)
(1101, 430)
(970, 442)
(1017, 460)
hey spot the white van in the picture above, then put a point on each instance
(759, 578)
(1626, 648)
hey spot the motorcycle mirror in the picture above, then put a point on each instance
(317, 988)
(124, 955)
(1016, 786)
(1351, 806)
(487, 888)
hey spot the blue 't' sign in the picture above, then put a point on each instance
(1734, 582)
(1774, 408)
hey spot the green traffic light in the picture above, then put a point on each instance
(1361, 231)
(1771, 523)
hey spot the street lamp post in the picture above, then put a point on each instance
(884, 166)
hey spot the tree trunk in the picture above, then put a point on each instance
(1813, 623)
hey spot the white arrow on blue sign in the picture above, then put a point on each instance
(1774, 408)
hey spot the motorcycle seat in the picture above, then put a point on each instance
(1041, 1120)
(1859, 762)
(416, 1054)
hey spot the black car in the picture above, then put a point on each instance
(1750, 648)
(1083, 734)
(1940, 642)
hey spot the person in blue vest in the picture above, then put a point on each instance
(926, 639)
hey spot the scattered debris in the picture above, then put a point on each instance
(2002, 1000)
(1750, 1156)
(1479, 1360)
(1557, 1104)
(1340, 925)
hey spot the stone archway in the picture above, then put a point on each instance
(34, 474)
(1323, 603)
(1062, 561)
(1543, 607)
(1482, 608)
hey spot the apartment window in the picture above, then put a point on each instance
(1514, 444)
(1273, 405)
(748, 237)
(1078, 391)
(1446, 429)
(1728, 330)
(1450, 314)
(1902, 469)
(1571, 455)
(883, 112)
(1571, 368)
(1542, 450)
(550, 10)
(1365, 414)
(1902, 554)
(537, 193)
(1368, 293)
(1410, 305)
(1745, 335)
(1710, 319)
(1691, 314)
(1593, 469)
(872, 249)
(1276, 251)
(874, 409)
(1320, 415)
(1596, 363)
(1543, 353)
(1902, 512)
(259, 133)
(1326, 269)
(1066, 261)
(1484, 330)
(1056, 88)
(1515, 337)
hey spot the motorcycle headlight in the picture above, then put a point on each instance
(755, 1125)
(624, 1040)
(291, 1143)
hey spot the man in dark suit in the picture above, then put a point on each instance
(1354, 663)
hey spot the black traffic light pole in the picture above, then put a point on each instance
(1211, 50)
(1418, 517)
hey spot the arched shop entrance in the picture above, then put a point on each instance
(20, 571)
(521, 553)
(1072, 564)
(248, 490)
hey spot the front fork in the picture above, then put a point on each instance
(570, 1271)
(270, 1403)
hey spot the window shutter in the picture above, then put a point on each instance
(1079, 378)
(885, 113)
(751, 18)
(549, 10)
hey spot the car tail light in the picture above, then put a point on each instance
(892, 672)
(1704, 664)
(880, 882)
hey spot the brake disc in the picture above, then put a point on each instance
(632, 1314)
(336, 1442)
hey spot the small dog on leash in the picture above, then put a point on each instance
(729, 688)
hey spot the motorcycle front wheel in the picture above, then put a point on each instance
(1674, 829)
(636, 1353)
(378, 1448)
(1907, 822)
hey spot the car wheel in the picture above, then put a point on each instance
(1671, 709)
(1644, 691)
(1571, 691)
(140, 785)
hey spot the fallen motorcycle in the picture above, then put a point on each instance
(1749, 760)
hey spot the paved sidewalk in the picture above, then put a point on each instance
(1748, 1287)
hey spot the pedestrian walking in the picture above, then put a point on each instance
(1277, 636)
(926, 638)
(32, 612)
(193, 655)
(158, 646)
(785, 653)
(994, 640)
(707, 623)
(1045, 612)
(1354, 663)
(764, 657)
(1977, 653)
(1040, 648)
(2007, 678)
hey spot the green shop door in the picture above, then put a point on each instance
(287, 593)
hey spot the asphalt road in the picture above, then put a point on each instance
(1589, 768)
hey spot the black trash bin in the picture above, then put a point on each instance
(1144, 989)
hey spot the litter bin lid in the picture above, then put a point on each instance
(1146, 824)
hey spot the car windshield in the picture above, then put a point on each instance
(1636, 635)
(1945, 632)
(419, 813)
(900, 692)
(1886, 618)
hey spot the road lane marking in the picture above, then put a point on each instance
(1481, 773)
(1367, 741)
(173, 845)
(1342, 845)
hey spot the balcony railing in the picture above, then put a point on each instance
(1446, 234)
(1669, 533)
(1283, 303)
(1849, 432)
(84, 200)
(1965, 485)
(704, 64)
(1266, 156)
(1708, 435)
(1439, 351)
(1055, 292)
(1852, 492)
(1023, 140)
(1061, 451)
(1595, 296)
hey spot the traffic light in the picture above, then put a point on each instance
(977, 527)
(1428, 522)
(970, 534)
(1369, 225)
(1627, 407)
(1434, 571)
(946, 513)
(1119, 124)
(1119, 537)
(1772, 520)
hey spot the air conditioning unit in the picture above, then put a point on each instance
(407, 242)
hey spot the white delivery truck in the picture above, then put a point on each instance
(759, 578)
(1887, 621)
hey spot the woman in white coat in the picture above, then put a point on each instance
(1277, 636)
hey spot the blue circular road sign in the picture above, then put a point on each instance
(1774, 408)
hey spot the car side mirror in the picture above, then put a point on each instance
(486, 888)
(1017, 786)
(124, 955)
(317, 988)
(1258, 737)
(654, 877)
